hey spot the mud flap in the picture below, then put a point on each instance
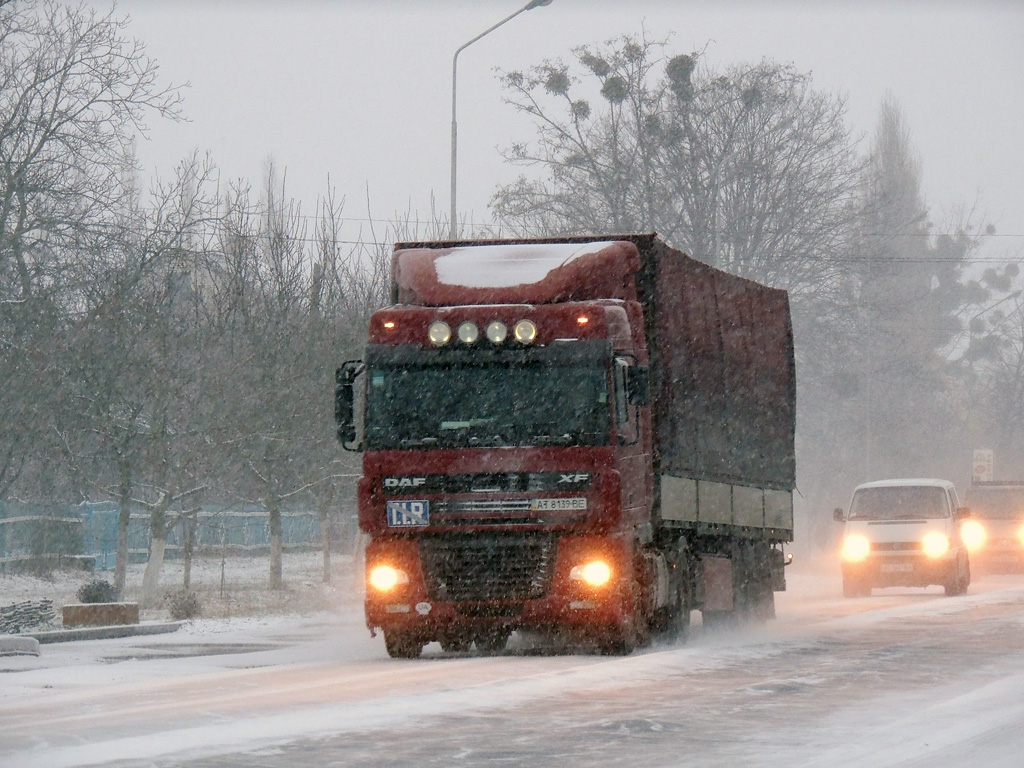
(777, 569)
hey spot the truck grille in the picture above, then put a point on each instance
(896, 546)
(488, 567)
(498, 512)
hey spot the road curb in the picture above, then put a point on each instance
(102, 633)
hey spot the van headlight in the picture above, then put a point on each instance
(935, 544)
(856, 547)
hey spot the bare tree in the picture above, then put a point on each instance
(751, 170)
(131, 371)
(74, 90)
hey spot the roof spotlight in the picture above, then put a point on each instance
(439, 333)
(468, 333)
(496, 332)
(525, 332)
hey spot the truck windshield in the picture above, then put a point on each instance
(905, 502)
(996, 503)
(494, 404)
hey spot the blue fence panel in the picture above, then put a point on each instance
(89, 529)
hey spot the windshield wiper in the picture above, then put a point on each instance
(416, 442)
(486, 440)
(563, 439)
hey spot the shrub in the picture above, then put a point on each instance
(97, 591)
(182, 605)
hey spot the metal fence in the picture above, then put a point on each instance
(54, 534)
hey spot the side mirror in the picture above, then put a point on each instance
(962, 513)
(638, 386)
(839, 515)
(344, 402)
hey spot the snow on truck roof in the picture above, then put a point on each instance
(502, 266)
(515, 272)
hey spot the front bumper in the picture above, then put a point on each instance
(901, 570)
(552, 602)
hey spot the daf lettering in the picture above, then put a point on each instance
(404, 482)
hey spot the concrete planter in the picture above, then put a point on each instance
(100, 614)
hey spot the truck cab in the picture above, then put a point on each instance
(996, 530)
(904, 532)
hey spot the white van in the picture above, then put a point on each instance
(904, 533)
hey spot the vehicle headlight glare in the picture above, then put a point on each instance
(1020, 535)
(384, 578)
(856, 547)
(496, 332)
(973, 534)
(525, 331)
(468, 333)
(439, 333)
(935, 544)
(596, 573)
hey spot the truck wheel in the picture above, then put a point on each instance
(673, 623)
(455, 645)
(620, 643)
(401, 646)
(493, 642)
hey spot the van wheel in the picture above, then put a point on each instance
(855, 588)
(959, 580)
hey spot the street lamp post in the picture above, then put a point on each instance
(455, 60)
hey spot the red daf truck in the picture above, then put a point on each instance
(584, 437)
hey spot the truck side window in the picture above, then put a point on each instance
(624, 422)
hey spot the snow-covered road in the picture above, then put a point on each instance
(904, 678)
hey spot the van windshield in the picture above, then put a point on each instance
(899, 502)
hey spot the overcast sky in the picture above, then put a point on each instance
(360, 91)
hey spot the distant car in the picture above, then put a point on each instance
(904, 533)
(996, 533)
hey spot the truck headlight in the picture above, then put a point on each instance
(384, 578)
(935, 544)
(973, 534)
(596, 573)
(856, 547)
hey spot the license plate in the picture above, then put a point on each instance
(555, 505)
(897, 567)
(405, 514)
